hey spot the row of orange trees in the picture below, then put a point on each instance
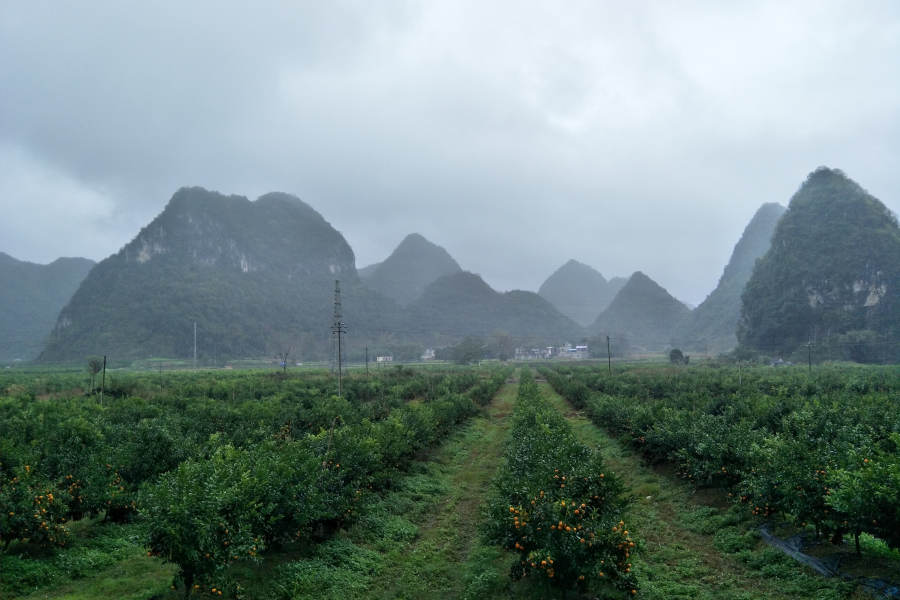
(824, 451)
(219, 469)
(555, 506)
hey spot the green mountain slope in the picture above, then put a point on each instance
(579, 292)
(254, 276)
(364, 272)
(410, 268)
(831, 276)
(644, 312)
(31, 296)
(712, 326)
(462, 304)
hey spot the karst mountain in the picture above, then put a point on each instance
(643, 312)
(31, 296)
(580, 292)
(712, 326)
(831, 277)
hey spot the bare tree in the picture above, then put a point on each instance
(94, 366)
(283, 357)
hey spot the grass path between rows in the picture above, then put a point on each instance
(435, 563)
(693, 543)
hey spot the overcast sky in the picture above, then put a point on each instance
(517, 135)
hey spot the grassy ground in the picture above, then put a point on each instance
(102, 561)
(694, 544)
(436, 564)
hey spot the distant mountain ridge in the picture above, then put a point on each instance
(713, 325)
(410, 268)
(580, 292)
(254, 276)
(31, 296)
(364, 272)
(831, 276)
(644, 312)
(463, 304)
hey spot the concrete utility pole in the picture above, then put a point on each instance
(195, 346)
(608, 356)
(103, 381)
(337, 328)
(809, 355)
(367, 361)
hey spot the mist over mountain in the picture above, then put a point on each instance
(254, 276)
(580, 292)
(31, 296)
(644, 312)
(712, 326)
(462, 304)
(409, 269)
(364, 272)
(830, 277)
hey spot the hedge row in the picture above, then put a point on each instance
(825, 453)
(555, 505)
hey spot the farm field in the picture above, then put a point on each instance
(252, 486)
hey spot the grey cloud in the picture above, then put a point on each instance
(636, 136)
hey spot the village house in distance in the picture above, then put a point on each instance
(568, 351)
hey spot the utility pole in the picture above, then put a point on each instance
(608, 356)
(337, 328)
(195, 346)
(103, 381)
(367, 361)
(809, 355)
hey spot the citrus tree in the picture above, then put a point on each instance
(554, 505)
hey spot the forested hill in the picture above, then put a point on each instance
(409, 269)
(580, 292)
(254, 276)
(462, 304)
(831, 276)
(712, 326)
(31, 296)
(364, 272)
(644, 312)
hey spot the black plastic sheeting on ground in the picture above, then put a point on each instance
(828, 566)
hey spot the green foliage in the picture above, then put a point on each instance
(199, 519)
(410, 268)
(34, 509)
(31, 297)
(643, 312)
(502, 346)
(462, 304)
(866, 491)
(256, 277)
(833, 268)
(554, 506)
(221, 466)
(823, 451)
(337, 569)
(467, 351)
(88, 551)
